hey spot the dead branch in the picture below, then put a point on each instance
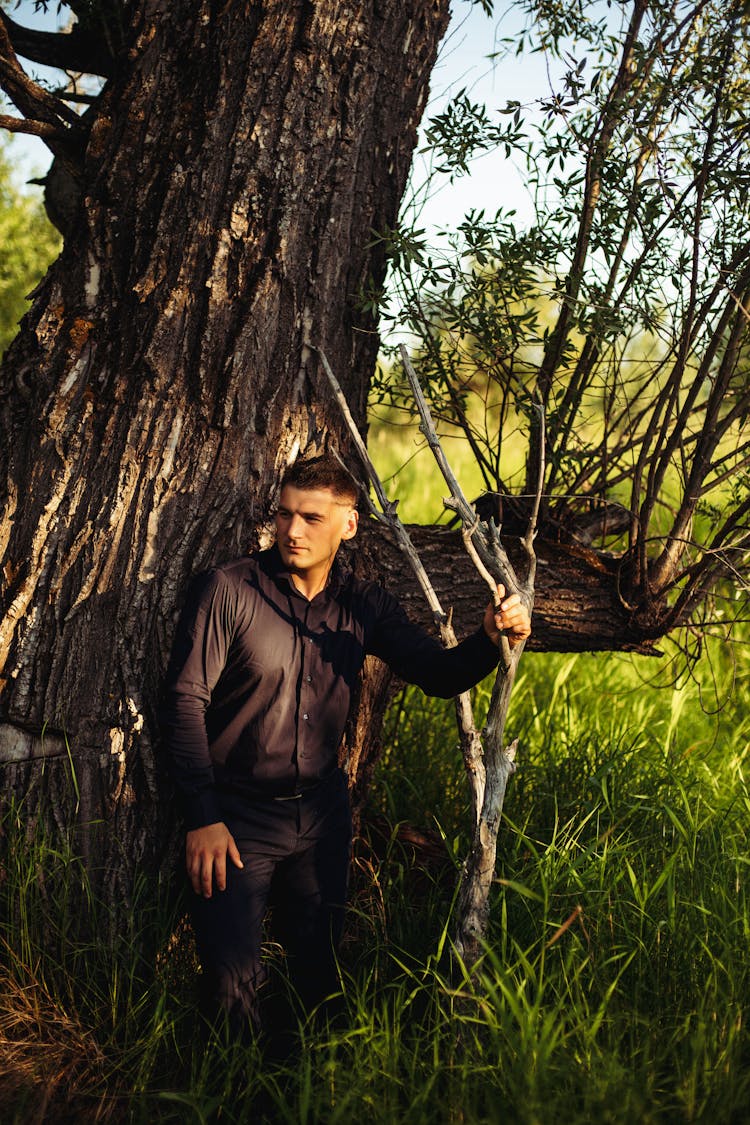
(470, 739)
(488, 767)
(486, 550)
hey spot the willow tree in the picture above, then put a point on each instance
(622, 306)
(217, 198)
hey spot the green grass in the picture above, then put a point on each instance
(614, 987)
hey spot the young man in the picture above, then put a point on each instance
(265, 658)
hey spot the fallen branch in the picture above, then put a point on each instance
(488, 766)
(484, 545)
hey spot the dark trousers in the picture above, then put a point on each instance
(296, 856)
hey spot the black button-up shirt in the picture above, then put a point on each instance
(260, 680)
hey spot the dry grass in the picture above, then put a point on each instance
(51, 1066)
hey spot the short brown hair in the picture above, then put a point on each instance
(325, 471)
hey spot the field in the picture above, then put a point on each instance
(615, 982)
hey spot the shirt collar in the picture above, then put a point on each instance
(273, 564)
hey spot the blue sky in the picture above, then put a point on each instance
(463, 63)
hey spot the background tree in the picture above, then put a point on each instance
(29, 244)
(622, 306)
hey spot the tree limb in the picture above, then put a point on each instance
(488, 553)
(78, 49)
(470, 739)
(41, 129)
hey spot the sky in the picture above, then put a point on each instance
(463, 63)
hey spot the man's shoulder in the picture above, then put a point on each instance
(235, 570)
(232, 575)
(369, 593)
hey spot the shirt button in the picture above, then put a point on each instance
(305, 716)
(309, 679)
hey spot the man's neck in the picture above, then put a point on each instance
(310, 585)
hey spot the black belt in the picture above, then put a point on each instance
(236, 788)
(303, 792)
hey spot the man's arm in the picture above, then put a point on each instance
(198, 657)
(420, 659)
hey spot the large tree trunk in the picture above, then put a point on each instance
(578, 604)
(239, 161)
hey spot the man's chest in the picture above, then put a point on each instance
(289, 637)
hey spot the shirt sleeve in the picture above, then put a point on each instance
(199, 654)
(420, 659)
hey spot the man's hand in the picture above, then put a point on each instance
(510, 617)
(206, 851)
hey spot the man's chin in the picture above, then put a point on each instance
(293, 562)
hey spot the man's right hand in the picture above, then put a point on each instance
(206, 851)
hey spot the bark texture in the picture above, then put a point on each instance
(578, 606)
(240, 158)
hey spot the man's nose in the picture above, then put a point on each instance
(296, 525)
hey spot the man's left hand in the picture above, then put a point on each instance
(510, 616)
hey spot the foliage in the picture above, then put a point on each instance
(615, 978)
(29, 244)
(623, 306)
(81, 56)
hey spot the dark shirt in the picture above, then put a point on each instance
(260, 680)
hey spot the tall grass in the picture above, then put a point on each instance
(614, 987)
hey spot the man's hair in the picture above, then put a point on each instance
(322, 472)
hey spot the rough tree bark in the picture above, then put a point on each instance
(578, 605)
(239, 159)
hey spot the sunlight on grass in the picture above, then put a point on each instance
(614, 982)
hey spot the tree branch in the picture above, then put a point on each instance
(41, 129)
(486, 550)
(77, 49)
(484, 537)
(36, 104)
(387, 507)
(471, 742)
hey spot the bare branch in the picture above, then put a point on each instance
(488, 554)
(487, 544)
(471, 742)
(387, 506)
(36, 104)
(27, 95)
(467, 533)
(460, 503)
(34, 128)
(73, 50)
(528, 541)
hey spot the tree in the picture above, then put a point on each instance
(623, 308)
(224, 185)
(28, 242)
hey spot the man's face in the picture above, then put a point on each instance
(310, 524)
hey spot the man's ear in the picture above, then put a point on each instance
(350, 527)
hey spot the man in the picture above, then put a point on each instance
(265, 658)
